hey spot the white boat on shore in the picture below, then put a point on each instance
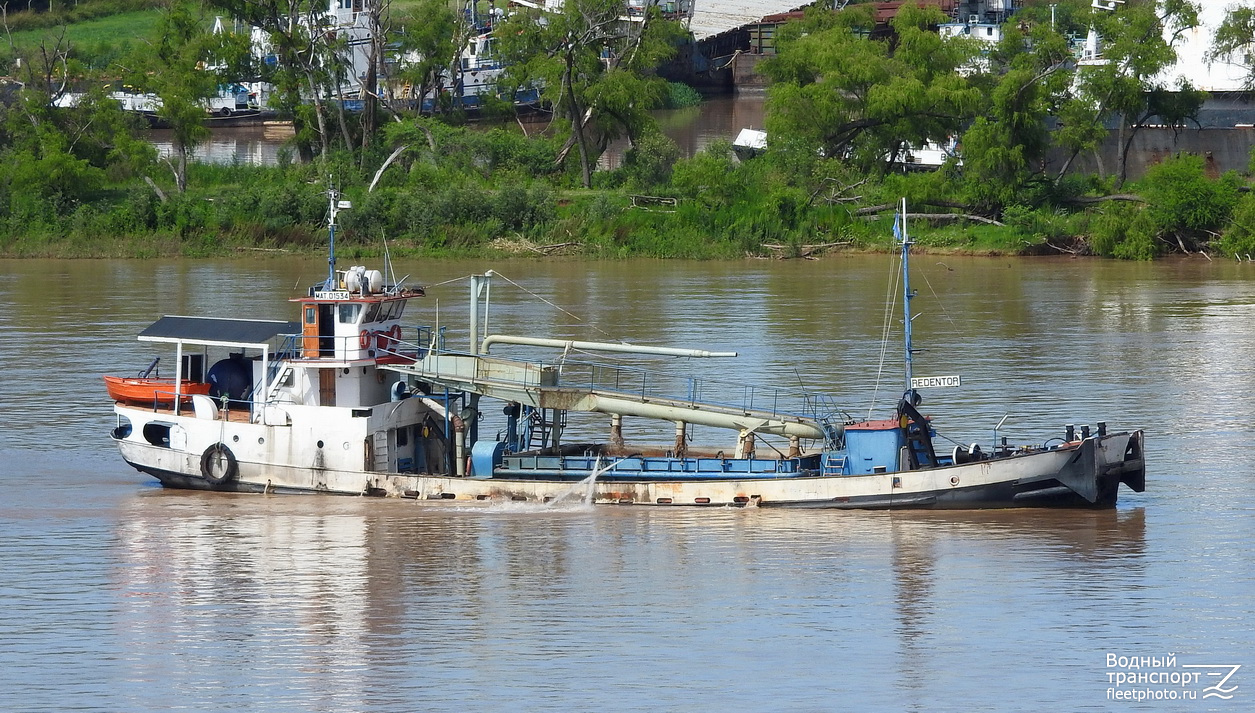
(351, 400)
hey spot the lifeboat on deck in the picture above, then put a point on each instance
(143, 391)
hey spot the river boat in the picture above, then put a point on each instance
(352, 399)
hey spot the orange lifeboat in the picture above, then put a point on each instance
(149, 391)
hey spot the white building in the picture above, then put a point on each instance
(1224, 75)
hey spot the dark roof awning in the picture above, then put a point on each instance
(212, 331)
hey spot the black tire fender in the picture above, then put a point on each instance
(218, 464)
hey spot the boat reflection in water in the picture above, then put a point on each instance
(347, 587)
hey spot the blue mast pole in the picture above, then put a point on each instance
(899, 230)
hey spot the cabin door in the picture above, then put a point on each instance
(309, 332)
(326, 387)
(318, 331)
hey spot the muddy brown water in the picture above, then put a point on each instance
(122, 596)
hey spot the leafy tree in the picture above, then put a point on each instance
(302, 65)
(186, 65)
(57, 146)
(1119, 84)
(853, 95)
(592, 68)
(430, 42)
(1004, 148)
(1234, 41)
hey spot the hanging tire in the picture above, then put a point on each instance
(218, 465)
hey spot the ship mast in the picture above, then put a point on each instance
(332, 195)
(899, 231)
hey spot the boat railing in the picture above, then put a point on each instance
(632, 382)
(695, 391)
(165, 399)
(413, 341)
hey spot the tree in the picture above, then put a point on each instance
(1120, 83)
(1234, 41)
(1005, 147)
(863, 98)
(185, 65)
(301, 62)
(430, 41)
(593, 68)
(55, 145)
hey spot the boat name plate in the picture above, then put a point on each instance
(929, 382)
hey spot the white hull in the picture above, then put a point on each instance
(272, 458)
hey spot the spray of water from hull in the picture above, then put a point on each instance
(586, 489)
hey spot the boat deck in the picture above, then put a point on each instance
(237, 415)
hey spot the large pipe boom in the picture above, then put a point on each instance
(597, 346)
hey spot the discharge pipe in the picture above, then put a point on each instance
(597, 346)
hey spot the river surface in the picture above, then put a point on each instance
(121, 596)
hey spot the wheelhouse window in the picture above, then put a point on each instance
(349, 313)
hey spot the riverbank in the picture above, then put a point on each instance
(448, 192)
(604, 243)
(140, 249)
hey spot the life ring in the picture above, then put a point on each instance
(364, 339)
(382, 339)
(389, 337)
(218, 465)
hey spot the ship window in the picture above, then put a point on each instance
(350, 313)
(311, 315)
(372, 312)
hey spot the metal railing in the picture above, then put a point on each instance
(644, 385)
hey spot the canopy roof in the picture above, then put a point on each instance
(209, 330)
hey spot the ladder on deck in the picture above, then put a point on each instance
(280, 368)
(540, 428)
(834, 465)
(278, 382)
